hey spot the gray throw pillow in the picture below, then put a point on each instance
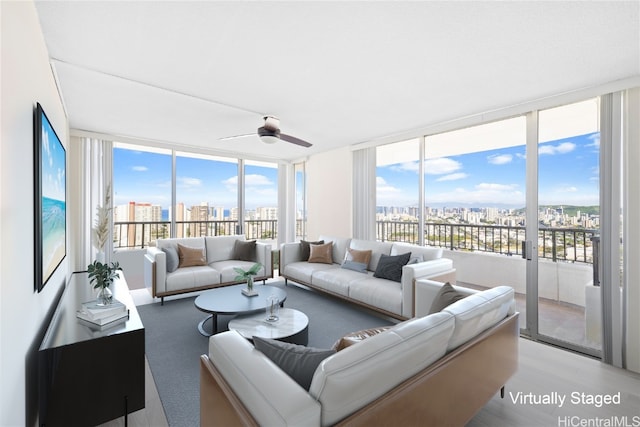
(173, 260)
(305, 250)
(446, 296)
(360, 267)
(297, 361)
(244, 250)
(390, 267)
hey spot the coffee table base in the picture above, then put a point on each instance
(214, 325)
(293, 326)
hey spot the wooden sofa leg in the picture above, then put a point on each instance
(286, 281)
(502, 393)
(161, 300)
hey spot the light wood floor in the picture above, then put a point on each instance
(543, 370)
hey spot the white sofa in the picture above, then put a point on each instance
(438, 369)
(218, 271)
(391, 298)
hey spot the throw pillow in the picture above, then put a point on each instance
(390, 267)
(358, 256)
(356, 337)
(321, 253)
(360, 267)
(244, 250)
(445, 297)
(190, 257)
(305, 250)
(173, 260)
(416, 259)
(297, 361)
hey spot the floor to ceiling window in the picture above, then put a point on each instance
(300, 203)
(475, 197)
(206, 195)
(397, 191)
(261, 200)
(141, 194)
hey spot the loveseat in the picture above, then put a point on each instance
(388, 296)
(180, 265)
(434, 370)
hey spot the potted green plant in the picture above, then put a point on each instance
(101, 276)
(247, 275)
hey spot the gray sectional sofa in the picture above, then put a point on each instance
(390, 297)
(165, 275)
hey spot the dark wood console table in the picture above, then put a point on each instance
(90, 374)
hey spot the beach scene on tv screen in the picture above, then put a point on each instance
(53, 201)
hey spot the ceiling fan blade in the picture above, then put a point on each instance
(294, 140)
(237, 136)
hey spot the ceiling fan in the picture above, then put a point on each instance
(270, 133)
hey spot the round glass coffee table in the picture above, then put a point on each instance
(292, 326)
(231, 300)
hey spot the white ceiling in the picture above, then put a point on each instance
(335, 73)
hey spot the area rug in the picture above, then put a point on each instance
(174, 345)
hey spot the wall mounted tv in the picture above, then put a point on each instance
(50, 199)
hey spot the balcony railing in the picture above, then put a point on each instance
(557, 244)
(139, 234)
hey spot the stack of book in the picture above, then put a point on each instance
(103, 314)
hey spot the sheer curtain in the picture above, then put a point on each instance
(95, 184)
(364, 194)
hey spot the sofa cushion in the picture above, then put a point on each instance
(336, 280)
(298, 361)
(192, 277)
(343, 383)
(190, 257)
(446, 296)
(321, 253)
(479, 312)
(305, 250)
(390, 267)
(377, 249)
(244, 250)
(220, 248)
(428, 253)
(173, 260)
(227, 272)
(381, 293)
(303, 270)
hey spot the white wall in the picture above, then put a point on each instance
(329, 194)
(26, 78)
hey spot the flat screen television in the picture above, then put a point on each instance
(50, 199)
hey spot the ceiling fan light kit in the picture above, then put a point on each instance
(270, 133)
(269, 136)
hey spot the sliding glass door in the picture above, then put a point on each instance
(568, 297)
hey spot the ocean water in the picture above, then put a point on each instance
(53, 235)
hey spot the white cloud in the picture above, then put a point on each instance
(485, 186)
(481, 194)
(405, 167)
(188, 182)
(567, 189)
(563, 148)
(441, 166)
(255, 179)
(140, 168)
(452, 177)
(500, 159)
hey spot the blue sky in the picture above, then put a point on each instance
(568, 175)
(146, 177)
